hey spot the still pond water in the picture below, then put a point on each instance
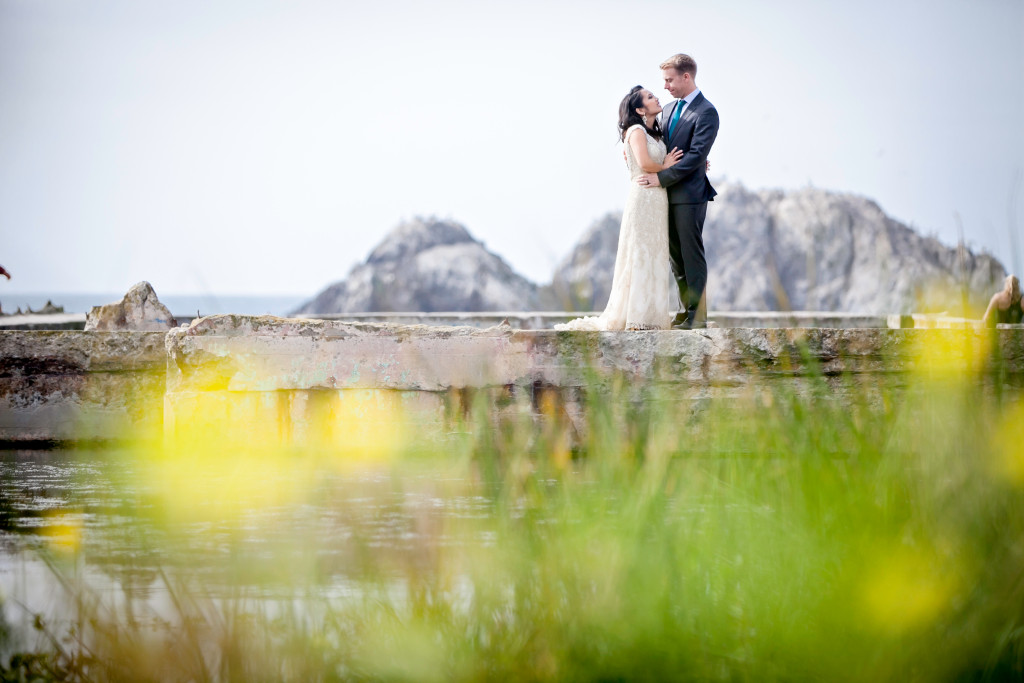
(106, 520)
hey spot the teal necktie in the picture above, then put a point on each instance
(675, 117)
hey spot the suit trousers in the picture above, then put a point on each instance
(686, 252)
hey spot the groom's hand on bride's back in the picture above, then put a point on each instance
(651, 179)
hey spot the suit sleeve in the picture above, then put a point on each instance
(704, 135)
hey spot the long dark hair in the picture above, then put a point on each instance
(628, 116)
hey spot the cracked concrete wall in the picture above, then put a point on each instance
(76, 385)
(290, 379)
(228, 365)
(240, 353)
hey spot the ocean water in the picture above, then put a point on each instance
(181, 305)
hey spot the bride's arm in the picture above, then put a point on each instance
(638, 143)
(991, 314)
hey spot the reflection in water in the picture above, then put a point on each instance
(102, 519)
(121, 512)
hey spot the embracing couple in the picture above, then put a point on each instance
(663, 221)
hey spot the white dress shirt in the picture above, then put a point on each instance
(689, 99)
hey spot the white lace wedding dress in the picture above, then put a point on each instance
(639, 299)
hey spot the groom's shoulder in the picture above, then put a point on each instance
(705, 103)
(706, 110)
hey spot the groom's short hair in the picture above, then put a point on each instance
(684, 64)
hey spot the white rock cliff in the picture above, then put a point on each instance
(427, 265)
(803, 250)
(771, 250)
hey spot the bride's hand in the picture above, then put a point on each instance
(672, 158)
(707, 165)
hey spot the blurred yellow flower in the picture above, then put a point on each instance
(906, 589)
(952, 353)
(369, 425)
(228, 452)
(1008, 445)
(63, 533)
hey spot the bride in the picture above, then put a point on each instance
(639, 299)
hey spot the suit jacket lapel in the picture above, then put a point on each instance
(689, 115)
(691, 108)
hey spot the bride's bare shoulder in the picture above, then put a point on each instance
(632, 131)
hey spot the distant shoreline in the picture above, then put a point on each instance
(179, 304)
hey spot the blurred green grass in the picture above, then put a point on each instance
(857, 528)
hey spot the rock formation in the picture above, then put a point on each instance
(48, 309)
(428, 265)
(803, 250)
(139, 310)
(807, 249)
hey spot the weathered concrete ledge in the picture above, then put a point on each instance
(266, 354)
(546, 320)
(231, 372)
(289, 379)
(75, 385)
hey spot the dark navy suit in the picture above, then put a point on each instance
(688, 195)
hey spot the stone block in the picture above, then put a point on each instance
(75, 385)
(138, 310)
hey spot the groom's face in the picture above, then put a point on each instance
(678, 84)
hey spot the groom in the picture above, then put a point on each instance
(690, 124)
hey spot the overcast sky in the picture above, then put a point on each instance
(259, 147)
